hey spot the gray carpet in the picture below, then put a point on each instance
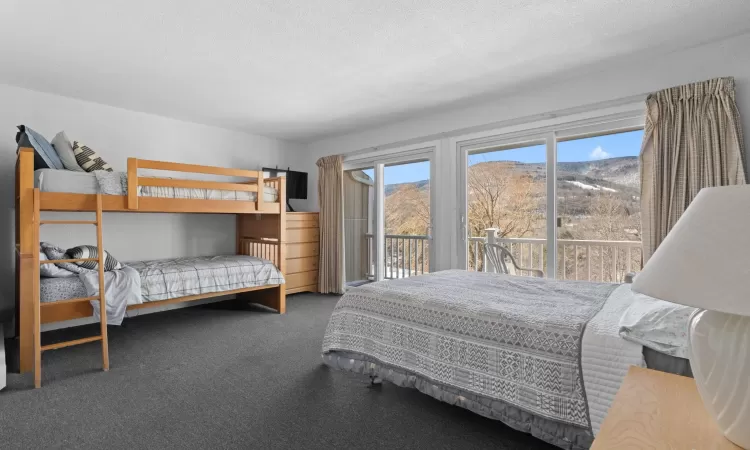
(227, 376)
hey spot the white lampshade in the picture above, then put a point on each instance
(705, 260)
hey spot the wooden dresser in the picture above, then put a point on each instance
(302, 249)
(656, 410)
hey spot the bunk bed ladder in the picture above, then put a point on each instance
(38, 306)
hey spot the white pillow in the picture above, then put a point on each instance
(51, 270)
(656, 324)
(64, 150)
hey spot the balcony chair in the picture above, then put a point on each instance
(499, 257)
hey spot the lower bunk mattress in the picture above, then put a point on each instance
(165, 279)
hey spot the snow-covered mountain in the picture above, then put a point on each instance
(578, 182)
(609, 175)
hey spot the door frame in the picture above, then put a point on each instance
(549, 135)
(379, 159)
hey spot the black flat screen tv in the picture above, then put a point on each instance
(296, 183)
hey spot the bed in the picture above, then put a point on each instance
(542, 356)
(179, 277)
(67, 181)
(257, 202)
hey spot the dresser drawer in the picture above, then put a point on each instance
(295, 280)
(312, 223)
(299, 235)
(296, 265)
(302, 220)
(302, 250)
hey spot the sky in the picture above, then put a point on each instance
(588, 149)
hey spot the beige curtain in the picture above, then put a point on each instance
(331, 200)
(692, 139)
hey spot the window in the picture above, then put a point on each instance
(598, 206)
(506, 192)
(564, 199)
(407, 219)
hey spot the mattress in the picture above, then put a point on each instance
(604, 360)
(179, 277)
(56, 289)
(164, 279)
(53, 180)
(505, 347)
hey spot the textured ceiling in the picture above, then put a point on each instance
(302, 69)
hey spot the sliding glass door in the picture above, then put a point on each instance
(565, 200)
(388, 208)
(359, 225)
(598, 205)
(408, 222)
(507, 203)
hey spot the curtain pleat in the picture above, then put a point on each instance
(331, 200)
(692, 139)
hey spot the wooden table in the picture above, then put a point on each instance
(657, 410)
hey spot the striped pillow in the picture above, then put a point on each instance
(90, 251)
(88, 159)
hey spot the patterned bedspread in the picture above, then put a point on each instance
(178, 277)
(513, 339)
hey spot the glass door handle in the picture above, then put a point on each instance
(559, 222)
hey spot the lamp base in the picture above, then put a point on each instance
(720, 359)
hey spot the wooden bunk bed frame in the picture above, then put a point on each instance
(260, 232)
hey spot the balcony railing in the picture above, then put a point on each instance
(586, 260)
(405, 255)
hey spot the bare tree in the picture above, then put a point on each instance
(407, 210)
(502, 197)
(607, 218)
(511, 197)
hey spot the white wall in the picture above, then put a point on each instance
(631, 77)
(117, 134)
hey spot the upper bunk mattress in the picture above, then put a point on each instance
(68, 181)
(165, 279)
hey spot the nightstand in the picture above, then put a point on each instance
(659, 410)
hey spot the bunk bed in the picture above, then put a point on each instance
(257, 202)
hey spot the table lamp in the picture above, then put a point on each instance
(704, 262)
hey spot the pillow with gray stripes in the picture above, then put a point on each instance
(88, 159)
(90, 251)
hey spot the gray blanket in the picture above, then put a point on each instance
(501, 337)
(165, 279)
(122, 287)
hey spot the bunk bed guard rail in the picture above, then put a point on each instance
(256, 180)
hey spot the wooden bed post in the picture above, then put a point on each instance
(282, 242)
(25, 260)
(264, 236)
(132, 183)
(259, 200)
